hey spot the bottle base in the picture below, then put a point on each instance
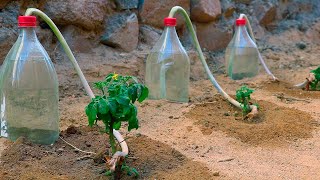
(37, 136)
(240, 76)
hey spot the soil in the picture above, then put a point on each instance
(153, 159)
(269, 128)
(289, 89)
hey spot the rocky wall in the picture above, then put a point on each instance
(122, 32)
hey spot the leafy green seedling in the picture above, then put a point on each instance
(314, 83)
(243, 97)
(115, 105)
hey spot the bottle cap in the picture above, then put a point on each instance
(27, 21)
(241, 22)
(170, 21)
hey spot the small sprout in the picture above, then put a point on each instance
(243, 97)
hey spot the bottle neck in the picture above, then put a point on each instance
(28, 33)
(241, 30)
(242, 35)
(171, 31)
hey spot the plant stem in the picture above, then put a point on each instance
(202, 58)
(243, 16)
(111, 138)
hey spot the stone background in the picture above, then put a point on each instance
(116, 35)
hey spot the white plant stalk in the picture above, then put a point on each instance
(254, 109)
(66, 48)
(243, 16)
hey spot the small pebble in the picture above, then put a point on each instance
(226, 114)
(60, 150)
(301, 45)
(216, 174)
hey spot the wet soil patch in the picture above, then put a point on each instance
(275, 125)
(289, 90)
(152, 159)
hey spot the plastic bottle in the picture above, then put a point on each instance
(242, 57)
(168, 67)
(29, 89)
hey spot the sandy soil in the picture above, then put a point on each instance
(283, 144)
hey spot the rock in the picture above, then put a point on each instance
(213, 38)
(71, 130)
(185, 36)
(197, 71)
(257, 30)
(149, 35)
(243, 1)
(122, 31)
(228, 8)
(152, 12)
(83, 13)
(7, 38)
(292, 9)
(127, 4)
(265, 12)
(301, 45)
(216, 173)
(3, 3)
(8, 30)
(99, 157)
(60, 150)
(205, 10)
(77, 39)
(45, 37)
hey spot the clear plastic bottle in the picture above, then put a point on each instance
(242, 58)
(29, 89)
(168, 67)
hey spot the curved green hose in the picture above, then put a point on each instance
(243, 16)
(73, 60)
(64, 45)
(202, 58)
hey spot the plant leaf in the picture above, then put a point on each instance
(117, 125)
(133, 123)
(113, 106)
(134, 94)
(144, 93)
(133, 120)
(123, 100)
(103, 106)
(91, 112)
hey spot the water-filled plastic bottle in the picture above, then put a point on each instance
(242, 57)
(29, 89)
(168, 67)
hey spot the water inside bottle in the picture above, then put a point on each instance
(28, 112)
(242, 62)
(167, 76)
(29, 102)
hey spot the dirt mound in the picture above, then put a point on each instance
(289, 90)
(153, 160)
(275, 125)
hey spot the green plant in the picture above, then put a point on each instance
(311, 82)
(243, 97)
(314, 83)
(115, 105)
